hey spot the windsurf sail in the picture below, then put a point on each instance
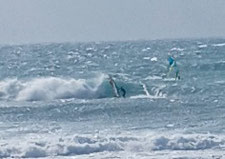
(173, 66)
(114, 87)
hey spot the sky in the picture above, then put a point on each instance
(37, 21)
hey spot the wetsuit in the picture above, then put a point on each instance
(123, 91)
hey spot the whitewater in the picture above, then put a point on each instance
(56, 100)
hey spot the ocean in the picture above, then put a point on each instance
(56, 100)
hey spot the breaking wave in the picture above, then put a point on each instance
(80, 145)
(51, 88)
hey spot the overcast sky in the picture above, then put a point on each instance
(34, 21)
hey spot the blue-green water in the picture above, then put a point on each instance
(56, 100)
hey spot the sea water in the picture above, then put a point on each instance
(56, 100)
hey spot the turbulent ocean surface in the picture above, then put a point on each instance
(56, 100)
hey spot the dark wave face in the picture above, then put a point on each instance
(56, 100)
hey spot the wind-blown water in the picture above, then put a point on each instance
(56, 100)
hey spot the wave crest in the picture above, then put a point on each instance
(81, 145)
(50, 88)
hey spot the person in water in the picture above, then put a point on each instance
(173, 65)
(123, 91)
(116, 89)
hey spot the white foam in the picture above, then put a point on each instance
(149, 58)
(176, 49)
(58, 88)
(187, 142)
(154, 59)
(146, 58)
(142, 96)
(202, 46)
(157, 91)
(55, 146)
(169, 79)
(153, 77)
(50, 88)
(219, 45)
(9, 88)
(146, 49)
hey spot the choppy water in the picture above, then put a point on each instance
(56, 100)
